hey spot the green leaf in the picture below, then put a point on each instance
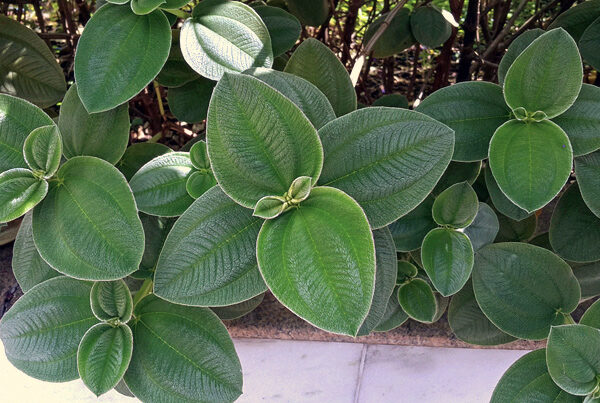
(470, 324)
(522, 153)
(397, 36)
(143, 7)
(42, 330)
(209, 257)
(387, 159)
(284, 28)
(406, 271)
(189, 102)
(576, 19)
(392, 100)
(20, 191)
(516, 231)
(458, 172)
(546, 76)
(319, 261)
(484, 228)
(252, 158)
(447, 257)
(573, 358)
(310, 12)
(394, 316)
(528, 380)
(103, 356)
(110, 73)
(385, 279)
(181, 354)
(159, 186)
(456, 206)
(156, 230)
(574, 229)
(28, 266)
(238, 310)
(138, 155)
(199, 182)
(588, 275)
(110, 300)
(225, 37)
(29, 68)
(175, 72)
(409, 230)
(43, 150)
(500, 201)
(87, 227)
(587, 169)
(523, 289)
(18, 118)
(588, 44)
(429, 26)
(591, 317)
(581, 121)
(474, 110)
(314, 62)
(517, 47)
(104, 135)
(304, 94)
(270, 207)
(418, 301)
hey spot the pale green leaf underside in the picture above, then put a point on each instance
(387, 159)
(209, 257)
(319, 261)
(42, 331)
(87, 226)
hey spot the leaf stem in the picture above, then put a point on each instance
(178, 13)
(144, 290)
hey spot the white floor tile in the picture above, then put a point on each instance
(426, 374)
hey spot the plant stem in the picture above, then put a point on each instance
(144, 290)
(178, 13)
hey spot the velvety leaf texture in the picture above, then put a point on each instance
(587, 168)
(314, 62)
(225, 37)
(588, 44)
(139, 154)
(43, 150)
(29, 69)
(20, 191)
(189, 102)
(418, 301)
(181, 354)
(387, 159)
(87, 227)
(42, 331)
(523, 289)
(284, 28)
(258, 140)
(409, 230)
(309, 12)
(474, 110)
(209, 257)
(319, 261)
(109, 73)
(238, 310)
(484, 228)
(110, 300)
(576, 19)
(456, 206)
(517, 47)
(499, 199)
(394, 316)
(397, 37)
(429, 26)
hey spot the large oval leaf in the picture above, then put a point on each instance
(409, 230)
(418, 300)
(258, 140)
(516, 231)
(591, 317)
(588, 275)
(587, 169)
(546, 76)
(528, 380)
(305, 95)
(238, 310)
(20, 191)
(574, 229)
(523, 289)
(516, 47)
(309, 12)
(385, 279)
(394, 316)
(458, 172)
(159, 186)
(588, 44)
(499, 199)
(29, 69)
(447, 257)
(581, 121)
(103, 356)
(573, 358)
(118, 54)
(484, 228)
(28, 266)
(429, 26)
(138, 155)
(470, 324)
(181, 354)
(42, 330)
(396, 37)
(284, 28)
(209, 257)
(474, 110)
(521, 153)
(156, 230)
(387, 159)
(104, 135)
(319, 261)
(456, 206)
(18, 118)
(314, 62)
(225, 37)
(189, 102)
(576, 19)
(87, 227)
